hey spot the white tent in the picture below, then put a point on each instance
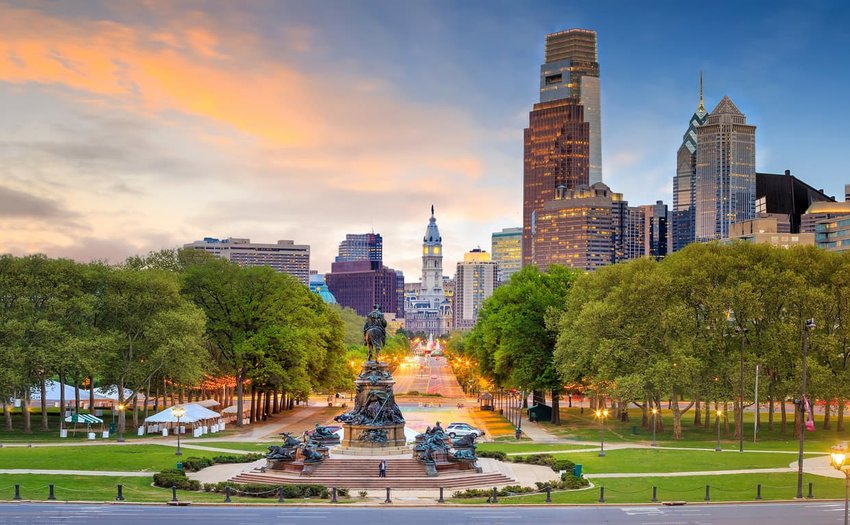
(200, 419)
(208, 403)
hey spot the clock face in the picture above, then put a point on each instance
(424, 250)
(436, 250)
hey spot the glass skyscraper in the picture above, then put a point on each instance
(725, 188)
(683, 216)
(506, 247)
(361, 247)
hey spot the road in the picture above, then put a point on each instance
(428, 375)
(743, 514)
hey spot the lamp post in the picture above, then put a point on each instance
(654, 414)
(178, 412)
(601, 414)
(809, 325)
(120, 430)
(839, 456)
(719, 413)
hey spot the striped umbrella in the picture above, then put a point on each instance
(83, 418)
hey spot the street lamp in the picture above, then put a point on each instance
(839, 456)
(719, 413)
(654, 414)
(120, 427)
(601, 414)
(809, 325)
(178, 412)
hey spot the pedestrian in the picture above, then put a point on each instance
(382, 468)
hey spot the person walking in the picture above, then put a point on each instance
(382, 468)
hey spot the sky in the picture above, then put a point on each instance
(131, 126)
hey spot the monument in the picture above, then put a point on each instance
(375, 424)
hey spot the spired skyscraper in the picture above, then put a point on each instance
(562, 143)
(683, 217)
(725, 188)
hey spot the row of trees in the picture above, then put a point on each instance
(682, 329)
(173, 318)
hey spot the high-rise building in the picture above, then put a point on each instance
(285, 256)
(571, 70)
(725, 190)
(833, 234)
(786, 198)
(430, 312)
(361, 284)
(655, 229)
(683, 216)
(361, 247)
(475, 280)
(506, 247)
(822, 211)
(580, 228)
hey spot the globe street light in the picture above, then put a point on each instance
(178, 412)
(601, 414)
(719, 413)
(839, 456)
(654, 414)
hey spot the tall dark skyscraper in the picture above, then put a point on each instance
(726, 172)
(683, 216)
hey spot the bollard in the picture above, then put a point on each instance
(120, 496)
(601, 494)
(52, 496)
(388, 500)
(707, 495)
(280, 498)
(758, 491)
(333, 495)
(654, 493)
(227, 494)
(810, 496)
(495, 498)
(17, 492)
(441, 500)
(173, 492)
(548, 494)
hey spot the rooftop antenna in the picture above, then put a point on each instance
(701, 106)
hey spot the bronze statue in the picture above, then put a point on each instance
(375, 333)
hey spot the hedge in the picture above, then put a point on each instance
(194, 464)
(264, 490)
(175, 478)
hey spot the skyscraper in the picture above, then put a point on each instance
(683, 217)
(475, 281)
(506, 249)
(361, 284)
(361, 247)
(725, 190)
(571, 70)
(284, 256)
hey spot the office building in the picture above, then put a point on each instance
(361, 284)
(725, 190)
(683, 215)
(506, 249)
(361, 247)
(475, 280)
(786, 198)
(430, 312)
(769, 230)
(822, 211)
(285, 256)
(571, 70)
(833, 234)
(579, 228)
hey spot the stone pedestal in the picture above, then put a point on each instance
(375, 423)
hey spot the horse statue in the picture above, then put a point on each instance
(375, 333)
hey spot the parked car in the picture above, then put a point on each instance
(462, 429)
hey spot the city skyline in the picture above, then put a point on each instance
(131, 128)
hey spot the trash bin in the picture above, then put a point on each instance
(180, 465)
(634, 430)
(112, 428)
(577, 471)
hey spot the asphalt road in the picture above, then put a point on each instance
(430, 375)
(743, 514)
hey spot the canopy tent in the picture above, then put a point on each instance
(102, 396)
(208, 403)
(196, 416)
(83, 418)
(229, 413)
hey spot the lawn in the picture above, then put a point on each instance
(104, 488)
(122, 458)
(241, 445)
(737, 487)
(529, 447)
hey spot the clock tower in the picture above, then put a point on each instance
(432, 264)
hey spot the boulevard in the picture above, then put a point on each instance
(775, 513)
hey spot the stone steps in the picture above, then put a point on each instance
(453, 481)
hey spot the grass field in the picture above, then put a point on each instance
(125, 458)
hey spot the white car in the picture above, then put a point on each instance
(462, 429)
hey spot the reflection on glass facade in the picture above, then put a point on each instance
(361, 247)
(725, 189)
(683, 216)
(833, 235)
(506, 247)
(571, 70)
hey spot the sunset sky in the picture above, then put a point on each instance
(131, 126)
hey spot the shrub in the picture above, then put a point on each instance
(362, 493)
(486, 493)
(495, 454)
(567, 481)
(196, 464)
(536, 459)
(563, 464)
(263, 490)
(175, 478)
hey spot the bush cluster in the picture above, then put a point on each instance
(567, 481)
(195, 464)
(175, 478)
(486, 493)
(263, 490)
(495, 454)
(547, 460)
